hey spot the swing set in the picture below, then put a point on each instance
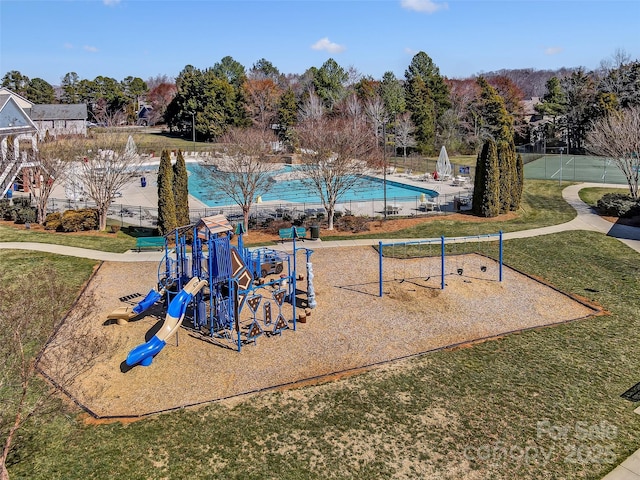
(453, 253)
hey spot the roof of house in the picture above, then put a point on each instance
(13, 119)
(77, 111)
(20, 100)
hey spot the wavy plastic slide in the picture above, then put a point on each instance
(143, 354)
(123, 314)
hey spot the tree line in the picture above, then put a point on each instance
(424, 110)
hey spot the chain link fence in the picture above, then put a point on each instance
(261, 214)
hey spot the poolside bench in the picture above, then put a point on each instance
(287, 233)
(149, 243)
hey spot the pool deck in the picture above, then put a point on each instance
(133, 194)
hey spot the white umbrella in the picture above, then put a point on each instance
(130, 150)
(443, 166)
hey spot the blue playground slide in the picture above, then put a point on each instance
(143, 354)
(152, 297)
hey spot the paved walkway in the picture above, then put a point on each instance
(586, 219)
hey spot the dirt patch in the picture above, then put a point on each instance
(351, 329)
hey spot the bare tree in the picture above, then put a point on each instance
(353, 107)
(335, 152)
(106, 117)
(376, 113)
(108, 163)
(311, 109)
(617, 136)
(243, 172)
(31, 309)
(404, 133)
(48, 167)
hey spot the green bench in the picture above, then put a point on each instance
(287, 233)
(149, 243)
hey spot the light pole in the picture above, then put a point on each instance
(561, 150)
(193, 129)
(384, 163)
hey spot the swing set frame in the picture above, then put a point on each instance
(442, 241)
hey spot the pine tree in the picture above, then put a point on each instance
(486, 194)
(422, 115)
(166, 201)
(427, 97)
(287, 114)
(181, 190)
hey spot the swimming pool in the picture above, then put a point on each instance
(295, 191)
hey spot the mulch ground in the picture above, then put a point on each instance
(350, 329)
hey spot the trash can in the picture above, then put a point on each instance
(143, 181)
(315, 232)
(9, 193)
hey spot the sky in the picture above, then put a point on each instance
(146, 38)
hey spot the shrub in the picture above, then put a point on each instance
(20, 212)
(275, 226)
(78, 220)
(22, 215)
(53, 221)
(618, 205)
(351, 223)
(72, 220)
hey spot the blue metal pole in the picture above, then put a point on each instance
(442, 262)
(380, 268)
(500, 255)
(295, 279)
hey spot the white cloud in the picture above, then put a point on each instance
(110, 3)
(68, 46)
(325, 44)
(426, 6)
(88, 48)
(410, 51)
(553, 50)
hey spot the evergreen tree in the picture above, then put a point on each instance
(233, 72)
(495, 120)
(40, 91)
(329, 81)
(181, 190)
(166, 202)
(426, 91)
(392, 94)
(422, 115)
(507, 174)
(287, 114)
(486, 194)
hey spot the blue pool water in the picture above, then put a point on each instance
(295, 191)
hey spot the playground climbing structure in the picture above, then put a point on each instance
(245, 293)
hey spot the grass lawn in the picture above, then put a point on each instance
(592, 195)
(107, 242)
(152, 139)
(485, 411)
(466, 413)
(542, 205)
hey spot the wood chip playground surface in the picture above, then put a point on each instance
(350, 329)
